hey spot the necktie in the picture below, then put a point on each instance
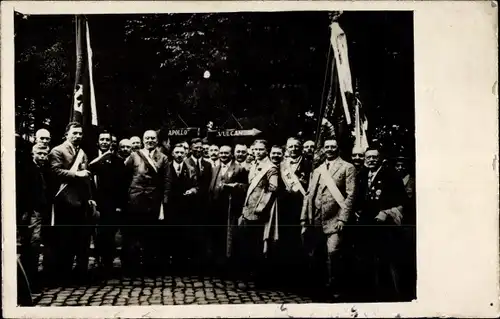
(178, 169)
(370, 179)
(328, 166)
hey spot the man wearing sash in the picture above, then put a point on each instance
(148, 194)
(71, 213)
(111, 196)
(227, 191)
(326, 209)
(295, 172)
(258, 224)
(380, 200)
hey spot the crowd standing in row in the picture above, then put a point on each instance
(276, 215)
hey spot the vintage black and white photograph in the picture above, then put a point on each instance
(215, 158)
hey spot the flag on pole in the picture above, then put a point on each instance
(84, 109)
(336, 119)
(360, 128)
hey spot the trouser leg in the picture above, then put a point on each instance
(31, 249)
(334, 261)
(105, 243)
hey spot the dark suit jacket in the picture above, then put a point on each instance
(204, 176)
(37, 190)
(219, 196)
(111, 188)
(180, 205)
(147, 188)
(386, 191)
(79, 190)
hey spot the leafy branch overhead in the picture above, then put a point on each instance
(266, 69)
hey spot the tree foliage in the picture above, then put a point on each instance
(266, 69)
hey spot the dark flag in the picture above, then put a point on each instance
(340, 116)
(84, 109)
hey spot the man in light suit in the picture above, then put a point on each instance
(148, 177)
(326, 210)
(72, 204)
(226, 195)
(258, 221)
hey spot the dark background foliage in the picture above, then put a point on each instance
(267, 69)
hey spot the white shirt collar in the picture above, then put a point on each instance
(196, 160)
(178, 166)
(225, 165)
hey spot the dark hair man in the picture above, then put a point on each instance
(73, 206)
(108, 171)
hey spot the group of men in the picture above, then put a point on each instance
(255, 211)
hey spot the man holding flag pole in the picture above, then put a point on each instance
(73, 210)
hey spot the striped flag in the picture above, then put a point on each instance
(341, 117)
(84, 109)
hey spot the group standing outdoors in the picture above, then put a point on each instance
(272, 214)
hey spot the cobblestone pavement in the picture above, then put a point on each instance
(164, 290)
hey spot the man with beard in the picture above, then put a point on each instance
(149, 183)
(184, 185)
(326, 210)
(108, 170)
(258, 220)
(240, 155)
(36, 194)
(381, 196)
(42, 137)
(136, 143)
(295, 171)
(226, 193)
(73, 207)
(203, 175)
(213, 153)
(276, 155)
(124, 149)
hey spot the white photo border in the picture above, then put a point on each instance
(456, 100)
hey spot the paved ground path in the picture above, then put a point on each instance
(164, 290)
